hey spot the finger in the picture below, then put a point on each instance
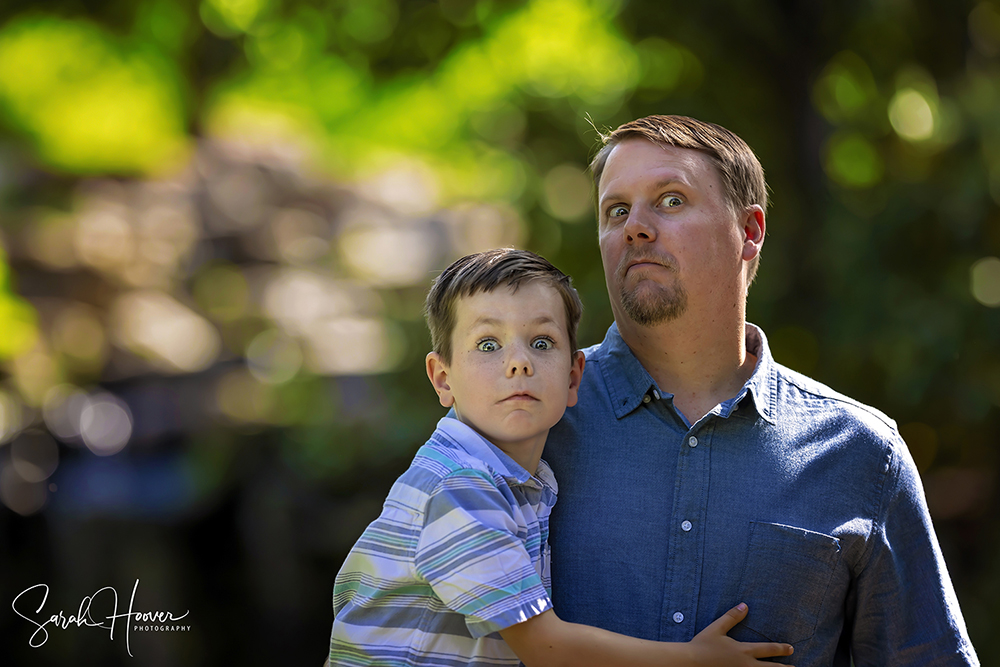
(769, 649)
(728, 621)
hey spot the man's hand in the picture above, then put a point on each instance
(712, 646)
(546, 640)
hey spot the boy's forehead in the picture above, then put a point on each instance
(536, 299)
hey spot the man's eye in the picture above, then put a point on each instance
(542, 344)
(617, 211)
(671, 200)
(487, 345)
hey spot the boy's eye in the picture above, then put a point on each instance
(542, 344)
(671, 200)
(617, 211)
(487, 345)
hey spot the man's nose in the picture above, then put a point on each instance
(639, 227)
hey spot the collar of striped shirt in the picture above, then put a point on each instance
(468, 439)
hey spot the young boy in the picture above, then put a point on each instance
(455, 571)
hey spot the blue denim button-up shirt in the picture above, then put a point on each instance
(797, 500)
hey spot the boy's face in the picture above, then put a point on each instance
(512, 372)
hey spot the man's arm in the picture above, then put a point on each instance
(903, 609)
(547, 641)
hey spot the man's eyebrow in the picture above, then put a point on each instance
(657, 186)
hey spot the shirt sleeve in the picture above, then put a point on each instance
(470, 554)
(905, 611)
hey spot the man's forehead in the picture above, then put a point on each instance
(640, 161)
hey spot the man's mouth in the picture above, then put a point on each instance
(640, 263)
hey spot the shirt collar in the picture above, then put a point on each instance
(762, 385)
(629, 383)
(627, 380)
(475, 445)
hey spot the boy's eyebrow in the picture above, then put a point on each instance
(542, 319)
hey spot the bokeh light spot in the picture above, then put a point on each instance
(661, 64)
(35, 372)
(566, 190)
(846, 88)
(105, 424)
(221, 291)
(49, 240)
(77, 332)
(911, 115)
(104, 240)
(88, 102)
(353, 346)
(159, 327)
(300, 236)
(390, 254)
(11, 416)
(370, 21)
(62, 409)
(852, 161)
(985, 281)
(242, 398)
(234, 15)
(34, 455)
(19, 324)
(273, 358)
(984, 28)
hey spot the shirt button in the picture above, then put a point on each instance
(685, 526)
(692, 441)
(678, 617)
(646, 399)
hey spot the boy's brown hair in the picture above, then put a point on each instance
(484, 272)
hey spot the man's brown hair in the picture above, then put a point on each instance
(484, 272)
(741, 171)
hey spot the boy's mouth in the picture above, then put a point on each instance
(520, 396)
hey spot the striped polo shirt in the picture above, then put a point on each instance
(459, 552)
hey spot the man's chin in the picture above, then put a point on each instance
(647, 309)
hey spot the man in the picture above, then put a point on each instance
(696, 472)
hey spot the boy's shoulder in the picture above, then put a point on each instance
(440, 459)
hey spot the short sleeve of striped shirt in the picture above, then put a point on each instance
(471, 554)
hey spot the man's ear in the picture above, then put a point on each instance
(575, 375)
(754, 227)
(437, 373)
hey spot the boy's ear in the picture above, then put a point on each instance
(437, 373)
(575, 375)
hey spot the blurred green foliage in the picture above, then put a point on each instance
(229, 211)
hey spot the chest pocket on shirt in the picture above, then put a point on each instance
(785, 580)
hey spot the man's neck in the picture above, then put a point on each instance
(700, 358)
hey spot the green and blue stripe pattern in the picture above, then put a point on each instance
(459, 552)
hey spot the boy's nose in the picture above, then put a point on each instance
(519, 364)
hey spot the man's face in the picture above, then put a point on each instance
(667, 232)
